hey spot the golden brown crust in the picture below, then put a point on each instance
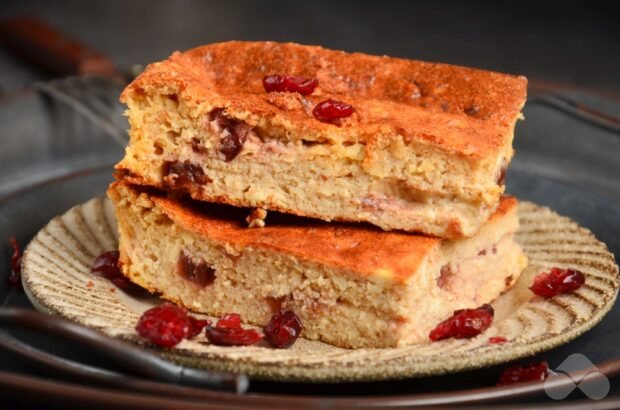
(359, 248)
(507, 204)
(462, 110)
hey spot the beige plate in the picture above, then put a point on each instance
(56, 276)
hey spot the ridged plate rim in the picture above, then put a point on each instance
(56, 248)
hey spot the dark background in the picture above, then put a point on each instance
(574, 43)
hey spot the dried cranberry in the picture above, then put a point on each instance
(15, 278)
(519, 374)
(556, 281)
(182, 174)
(446, 273)
(472, 110)
(332, 110)
(165, 325)
(231, 145)
(234, 134)
(228, 332)
(229, 336)
(497, 340)
(290, 83)
(107, 266)
(196, 326)
(501, 176)
(464, 323)
(197, 146)
(283, 329)
(230, 320)
(195, 270)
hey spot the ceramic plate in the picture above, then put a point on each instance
(57, 279)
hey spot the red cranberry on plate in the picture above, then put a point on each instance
(283, 329)
(165, 325)
(464, 323)
(228, 332)
(107, 265)
(15, 278)
(520, 374)
(556, 281)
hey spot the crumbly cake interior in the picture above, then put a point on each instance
(395, 184)
(336, 305)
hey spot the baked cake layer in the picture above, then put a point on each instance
(351, 285)
(425, 150)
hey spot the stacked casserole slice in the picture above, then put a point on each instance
(382, 179)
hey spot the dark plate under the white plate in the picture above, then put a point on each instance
(568, 165)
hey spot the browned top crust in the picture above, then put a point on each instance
(358, 248)
(463, 110)
(507, 204)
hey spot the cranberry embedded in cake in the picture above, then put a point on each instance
(183, 174)
(233, 133)
(195, 270)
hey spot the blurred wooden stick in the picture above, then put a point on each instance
(42, 45)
